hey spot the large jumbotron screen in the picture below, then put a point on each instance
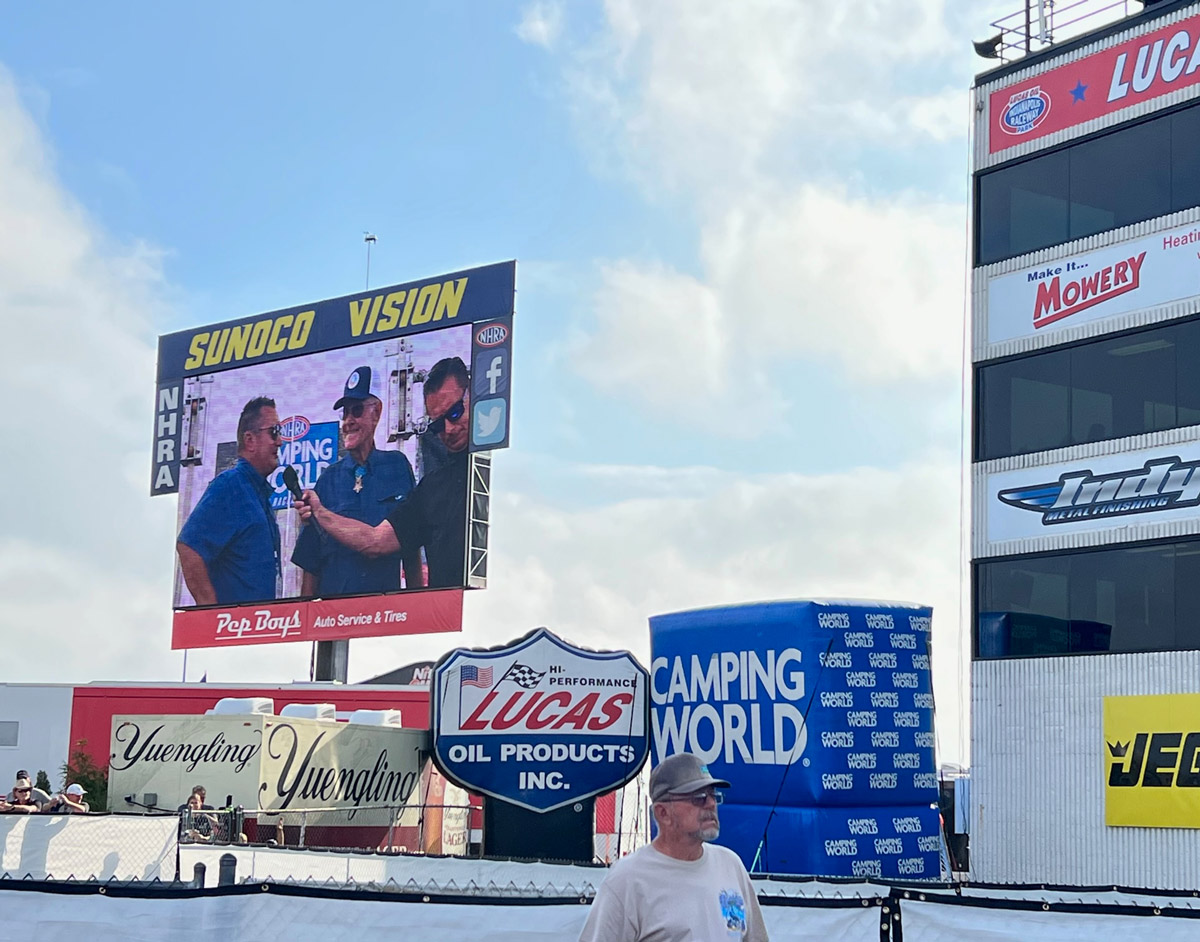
(379, 410)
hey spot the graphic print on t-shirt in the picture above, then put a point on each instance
(733, 910)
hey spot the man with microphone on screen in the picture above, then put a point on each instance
(363, 485)
(229, 546)
(434, 515)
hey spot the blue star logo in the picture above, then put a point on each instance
(1078, 92)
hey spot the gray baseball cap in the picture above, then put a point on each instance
(681, 774)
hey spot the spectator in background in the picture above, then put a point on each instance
(39, 796)
(203, 793)
(21, 801)
(196, 825)
(68, 801)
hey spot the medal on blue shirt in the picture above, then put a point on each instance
(359, 473)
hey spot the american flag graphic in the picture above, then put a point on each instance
(471, 676)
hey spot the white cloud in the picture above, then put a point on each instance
(752, 116)
(85, 555)
(702, 98)
(810, 274)
(541, 23)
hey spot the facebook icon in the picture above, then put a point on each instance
(489, 375)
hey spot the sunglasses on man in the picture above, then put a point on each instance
(275, 431)
(699, 799)
(354, 410)
(453, 414)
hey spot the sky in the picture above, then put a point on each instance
(741, 241)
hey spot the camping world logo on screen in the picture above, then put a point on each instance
(1160, 484)
(1025, 111)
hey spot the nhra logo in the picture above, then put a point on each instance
(1162, 484)
(1025, 111)
(1157, 760)
(491, 335)
(293, 428)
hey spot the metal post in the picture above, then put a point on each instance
(228, 873)
(303, 827)
(395, 813)
(333, 661)
(1027, 24)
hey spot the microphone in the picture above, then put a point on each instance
(292, 481)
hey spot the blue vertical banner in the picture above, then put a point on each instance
(491, 369)
(821, 715)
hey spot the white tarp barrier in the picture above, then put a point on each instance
(296, 917)
(102, 847)
(1147, 899)
(460, 876)
(421, 874)
(949, 921)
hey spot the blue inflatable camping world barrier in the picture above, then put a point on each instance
(804, 705)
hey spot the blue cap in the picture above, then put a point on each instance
(358, 386)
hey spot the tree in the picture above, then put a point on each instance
(43, 781)
(80, 769)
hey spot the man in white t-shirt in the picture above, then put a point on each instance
(679, 888)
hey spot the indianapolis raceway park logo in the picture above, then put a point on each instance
(1025, 111)
(1160, 484)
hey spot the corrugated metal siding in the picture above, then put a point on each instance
(1037, 774)
(1124, 530)
(982, 350)
(983, 160)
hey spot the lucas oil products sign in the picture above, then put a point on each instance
(540, 723)
(1152, 761)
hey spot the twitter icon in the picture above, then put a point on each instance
(488, 422)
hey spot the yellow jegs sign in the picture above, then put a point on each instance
(1152, 761)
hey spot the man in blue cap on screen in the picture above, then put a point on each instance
(364, 485)
(434, 516)
(680, 887)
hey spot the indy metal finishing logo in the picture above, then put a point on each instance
(1160, 484)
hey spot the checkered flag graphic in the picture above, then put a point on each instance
(527, 677)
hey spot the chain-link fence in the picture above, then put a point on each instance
(426, 828)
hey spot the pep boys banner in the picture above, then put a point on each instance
(1146, 67)
(370, 616)
(1143, 273)
(539, 723)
